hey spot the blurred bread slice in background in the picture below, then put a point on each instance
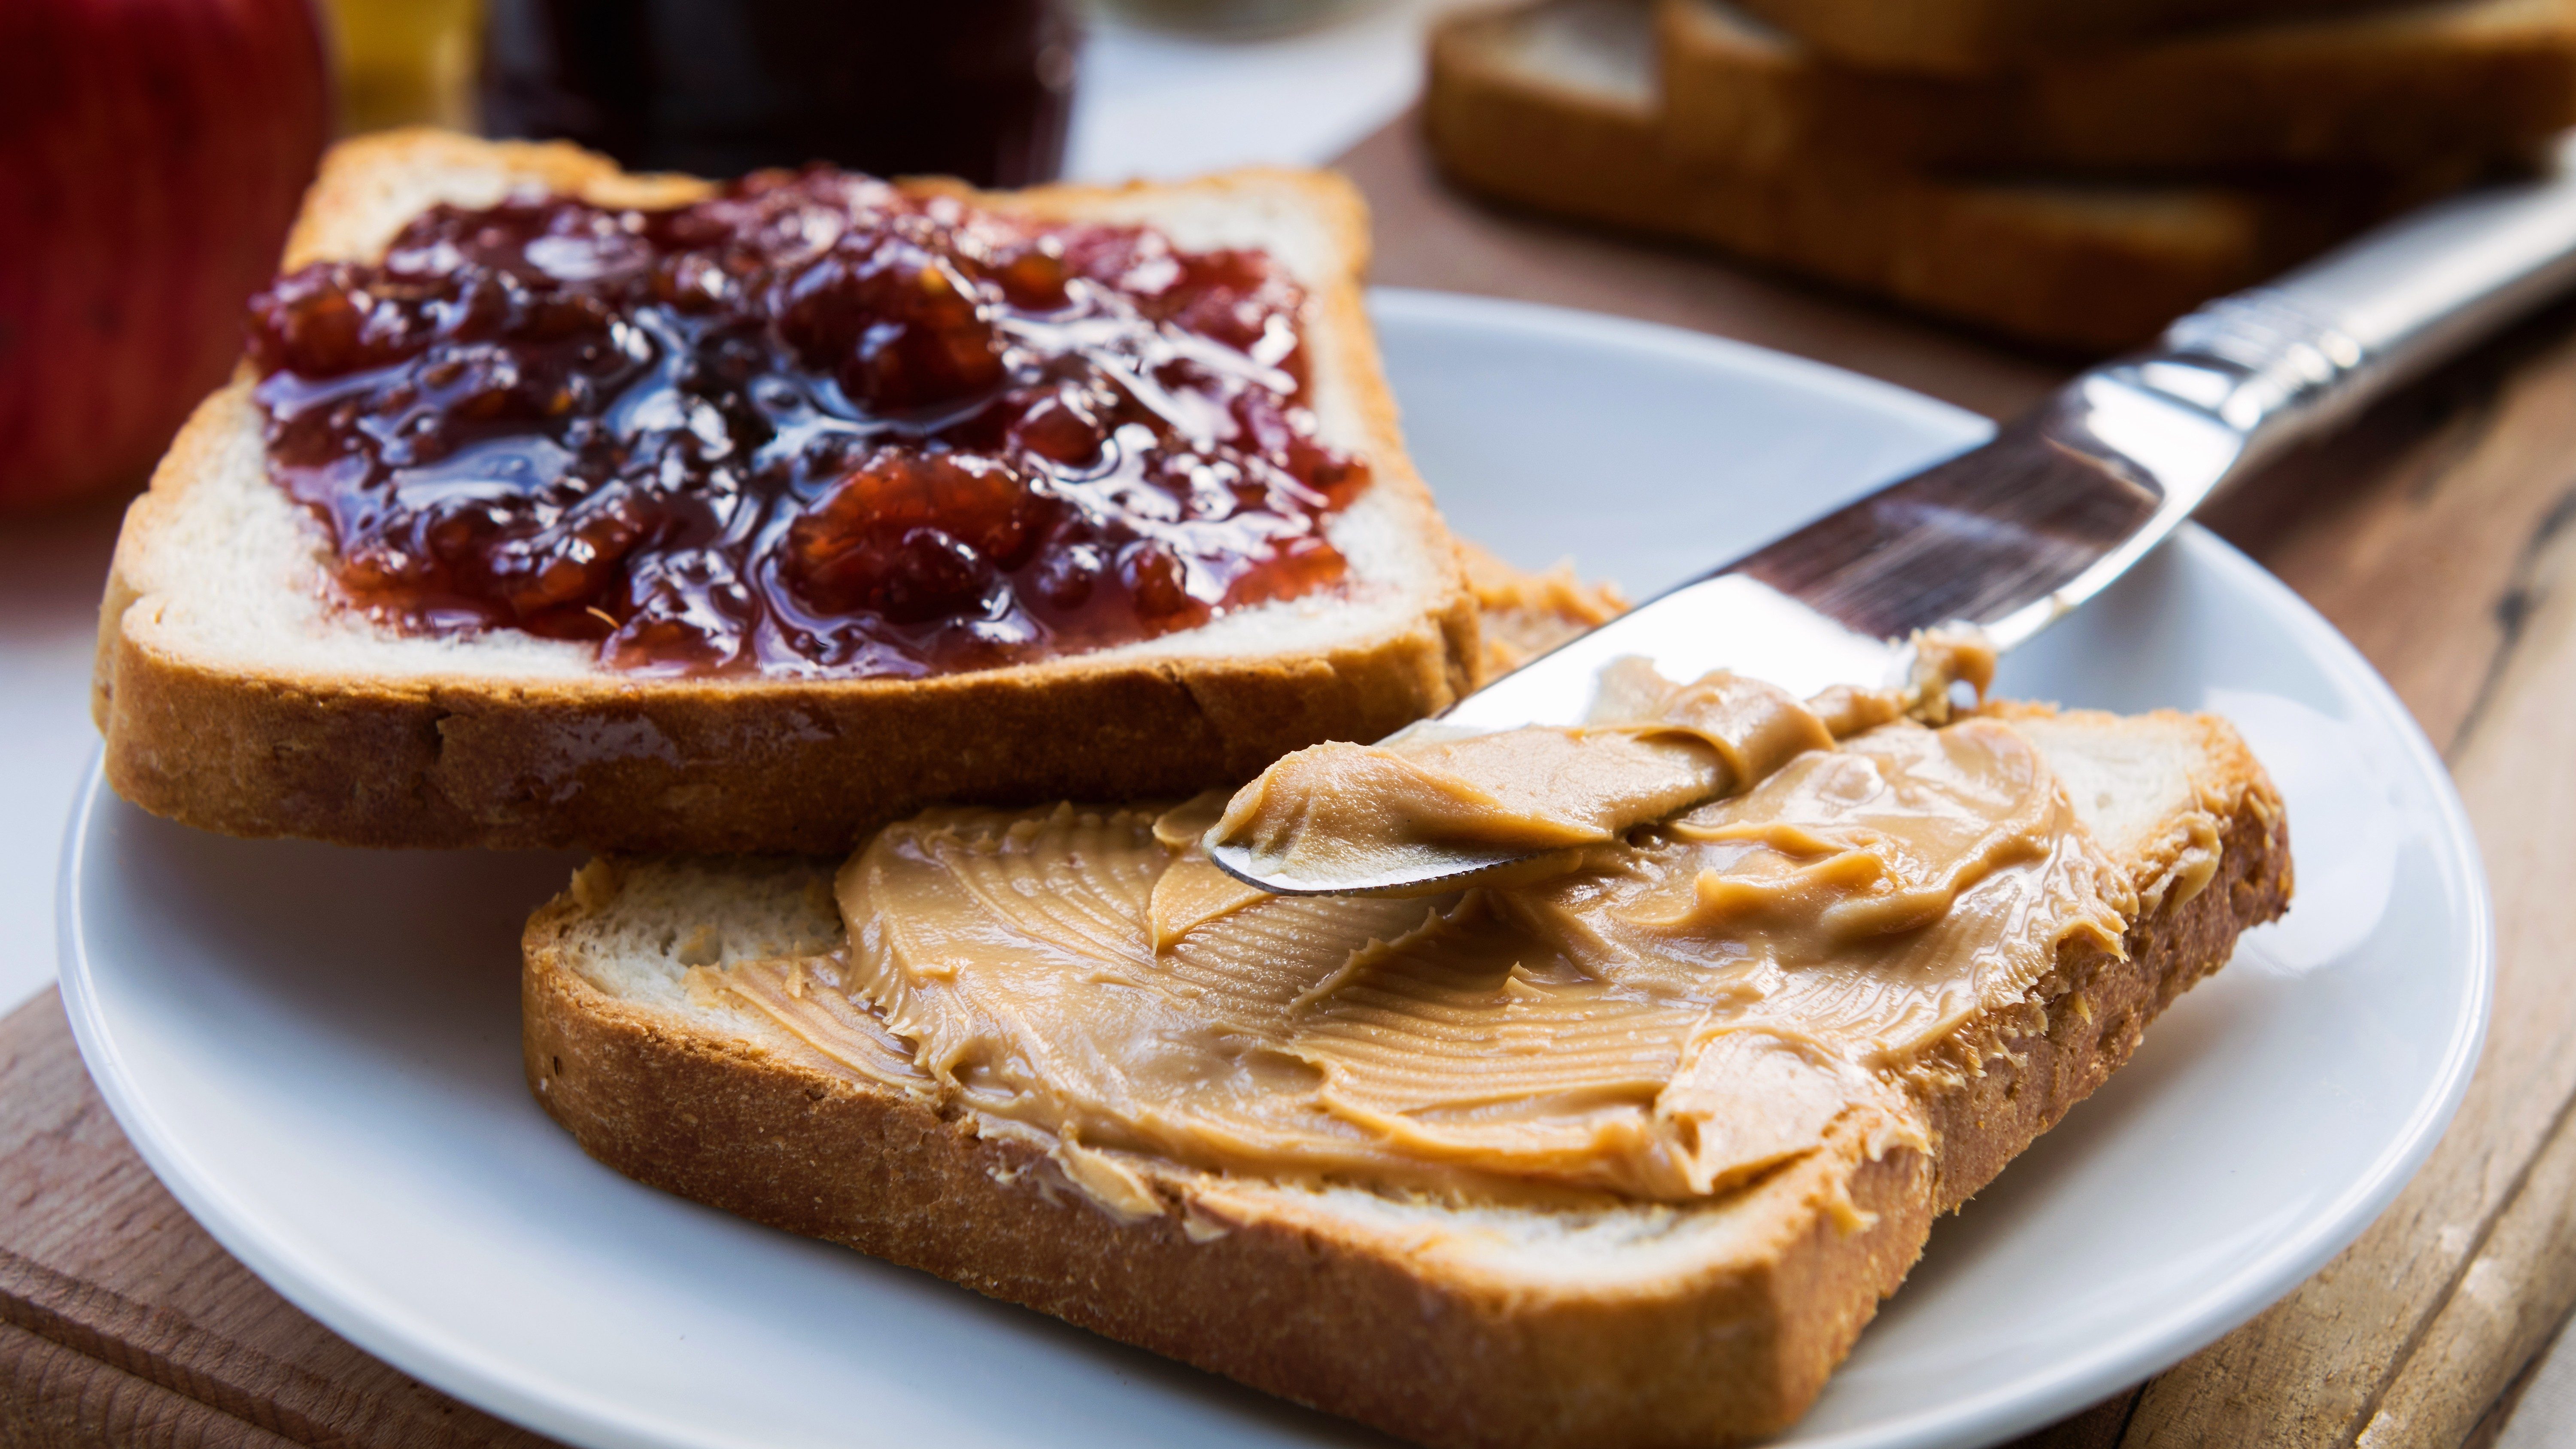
(2458, 84)
(1970, 37)
(1556, 107)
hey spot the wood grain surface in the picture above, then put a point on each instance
(2436, 534)
(122, 1322)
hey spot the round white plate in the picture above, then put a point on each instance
(317, 1049)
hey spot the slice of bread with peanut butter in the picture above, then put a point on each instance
(1487, 1169)
(239, 693)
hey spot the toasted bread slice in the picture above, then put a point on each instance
(1967, 37)
(1708, 1323)
(234, 697)
(2420, 86)
(1555, 107)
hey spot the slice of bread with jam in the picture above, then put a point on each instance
(248, 682)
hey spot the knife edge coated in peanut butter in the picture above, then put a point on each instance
(1346, 812)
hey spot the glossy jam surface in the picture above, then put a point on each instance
(815, 424)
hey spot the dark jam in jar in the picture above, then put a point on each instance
(815, 424)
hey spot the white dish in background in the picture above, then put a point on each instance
(317, 1049)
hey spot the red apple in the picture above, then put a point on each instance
(152, 153)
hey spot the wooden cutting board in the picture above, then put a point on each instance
(2434, 533)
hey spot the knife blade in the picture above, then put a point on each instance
(2012, 536)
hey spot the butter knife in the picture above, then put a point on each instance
(2014, 535)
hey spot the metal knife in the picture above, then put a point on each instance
(2012, 536)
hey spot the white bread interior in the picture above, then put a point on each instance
(234, 574)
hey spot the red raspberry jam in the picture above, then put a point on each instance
(816, 424)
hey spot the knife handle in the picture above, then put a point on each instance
(2295, 355)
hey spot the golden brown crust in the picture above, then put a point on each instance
(356, 192)
(2070, 1043)
(1968, 37)
(1302, 1306)
(612, 763)
(2439, 87)
(2082, 1024)
(1287, 1304)
(783, 768)
(2052, 265)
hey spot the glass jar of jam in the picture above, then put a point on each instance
(978, 89)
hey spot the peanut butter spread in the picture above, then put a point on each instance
(1678, 1007)
(1524, 614)
(1346, 812)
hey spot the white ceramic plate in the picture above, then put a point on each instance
(317, 1049)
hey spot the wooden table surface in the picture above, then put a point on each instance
(2433, 533)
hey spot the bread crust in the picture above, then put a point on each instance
(2437, 91)
(2027, 260)
(1299, 1308)
(1301, 1304)
(1973, 37)
(613, 763)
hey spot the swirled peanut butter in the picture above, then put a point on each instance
(1345, 812)
(1682, 1007)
